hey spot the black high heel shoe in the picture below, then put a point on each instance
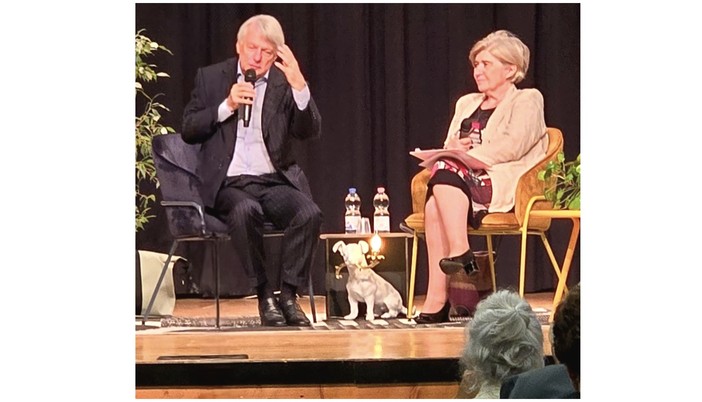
(435, 318)
(465, 261)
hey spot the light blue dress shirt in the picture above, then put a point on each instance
(250, 153)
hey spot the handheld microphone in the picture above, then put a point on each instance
(465, 128)
(471, 129)
(249, 76)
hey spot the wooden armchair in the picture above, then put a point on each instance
(529, 197)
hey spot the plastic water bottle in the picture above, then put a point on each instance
(381, 215)
(352, 217)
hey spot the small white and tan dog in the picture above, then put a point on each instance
(365, 285)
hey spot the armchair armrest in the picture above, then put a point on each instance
(182, 222)
(530, 189)
(530, 196)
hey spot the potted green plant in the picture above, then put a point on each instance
(148, 124)
(563, 182)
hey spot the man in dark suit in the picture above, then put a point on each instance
(247, 170)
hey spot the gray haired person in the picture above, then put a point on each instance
(246, 112)
(561, 380)
(504, 339)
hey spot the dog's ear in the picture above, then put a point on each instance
(339, 245)
(364, 246)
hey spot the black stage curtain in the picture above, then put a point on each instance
(385, 78)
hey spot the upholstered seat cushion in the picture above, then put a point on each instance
(500, 220)
(416, 221)
(493, 221)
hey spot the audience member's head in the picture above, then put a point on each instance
(503, 338)
(565, 334)
(562, 380)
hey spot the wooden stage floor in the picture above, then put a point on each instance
(269, 363)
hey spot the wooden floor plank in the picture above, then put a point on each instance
(266, 345)
(402, 391)
(417, 363)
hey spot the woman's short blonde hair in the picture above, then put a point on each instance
(269, 26)
(507, 48)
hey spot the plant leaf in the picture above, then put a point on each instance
(146, 124)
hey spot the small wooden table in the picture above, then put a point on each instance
(574, 216)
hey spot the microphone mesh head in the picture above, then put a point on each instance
(250, 75)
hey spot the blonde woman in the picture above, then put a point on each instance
(503, 133)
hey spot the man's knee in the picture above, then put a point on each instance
(244, 212)
(310, 216)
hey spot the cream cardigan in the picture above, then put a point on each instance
(514, 140)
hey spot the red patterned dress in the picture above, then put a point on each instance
(476, 184)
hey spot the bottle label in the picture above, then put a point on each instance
(381, 223)
(352, 223)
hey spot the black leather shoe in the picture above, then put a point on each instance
(270, 313)
(465, 261)
(293, 313)
(435, 318)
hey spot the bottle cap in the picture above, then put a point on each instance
(381, 190)
(352, 190)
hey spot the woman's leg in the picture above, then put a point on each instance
(445, 223)
(437, 248)
(453, 206)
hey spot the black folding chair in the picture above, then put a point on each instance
(176, 169)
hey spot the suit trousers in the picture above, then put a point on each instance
(246, 202)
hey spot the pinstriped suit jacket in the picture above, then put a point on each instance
(281, 121)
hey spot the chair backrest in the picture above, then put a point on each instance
(529, 184)
(176, 167)
(176, 170)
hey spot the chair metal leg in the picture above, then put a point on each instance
(565, 268)
(158, 283)
(522, 262)
(491, 258)
(311, 294)
(413, 271)
(310, 288)
(551, 256)
(215, 264)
